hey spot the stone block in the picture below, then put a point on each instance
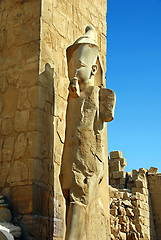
(123, 162)
(143, 170)
(114, 182)
(58, 228)
(33, 96)
(146, 222)
(132, 236)
(6, 126)
(132, 227)
(20, 146)
(122, 181)
(135, 172)
(153, 170)
(130, 185)
(119, 174)
(114, 165)
(143, 191)
(129, 212)
(138, 219)
(122, 211)
(127, 203)
(22, 97)
(123, 218)
(107, 106)
(122, 236)
(114, 212)
(141, 184)
(116, 154)
(5, 214)
(22, 199)
(126, 195)
(119, 195)
(3, 82)
(7, 149)
(141, 212)
(28, 78)
(137, 196)
(21, 120)
(139, 228)
(112, 191)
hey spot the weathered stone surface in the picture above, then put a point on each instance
(1, 106)
(7, 149)
(20, 146)
(126, 195)
(153, 170)
(129, 212)
(134, 209)
(5, 214)
(114, 165)
(3, 82)
(6, 126)
(123, 162)
(22, 97)
(119, 174)
(123, 236)
(107, 104)
(116, 154)
(21, 120)
(134, 172)
(28, 78)
(33, 96)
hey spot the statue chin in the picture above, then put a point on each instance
(74, 89)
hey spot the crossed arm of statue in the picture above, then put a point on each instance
(89, 106)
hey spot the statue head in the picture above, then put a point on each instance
(81, 58)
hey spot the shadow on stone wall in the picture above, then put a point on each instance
(39, 223)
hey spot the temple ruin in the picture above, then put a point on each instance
(38, 45)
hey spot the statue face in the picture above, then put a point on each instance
(78, 70)
(78, 67)
(81, 65)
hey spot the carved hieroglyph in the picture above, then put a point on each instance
(83, 160)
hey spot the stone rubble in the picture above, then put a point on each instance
(131, 216)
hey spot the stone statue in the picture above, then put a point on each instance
(88, 108)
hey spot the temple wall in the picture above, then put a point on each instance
(155, 192)
(33, 98)
(134, 207)
(19, 77)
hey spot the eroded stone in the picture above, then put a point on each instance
(20, 146)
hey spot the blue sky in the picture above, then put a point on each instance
(134, 73)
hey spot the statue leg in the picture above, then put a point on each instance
(76, 222)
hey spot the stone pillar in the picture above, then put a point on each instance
(33, 98)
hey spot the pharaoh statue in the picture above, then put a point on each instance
(83, 159)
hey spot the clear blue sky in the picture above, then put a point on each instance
(134, 73)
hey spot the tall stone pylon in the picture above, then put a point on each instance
(33, 100)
